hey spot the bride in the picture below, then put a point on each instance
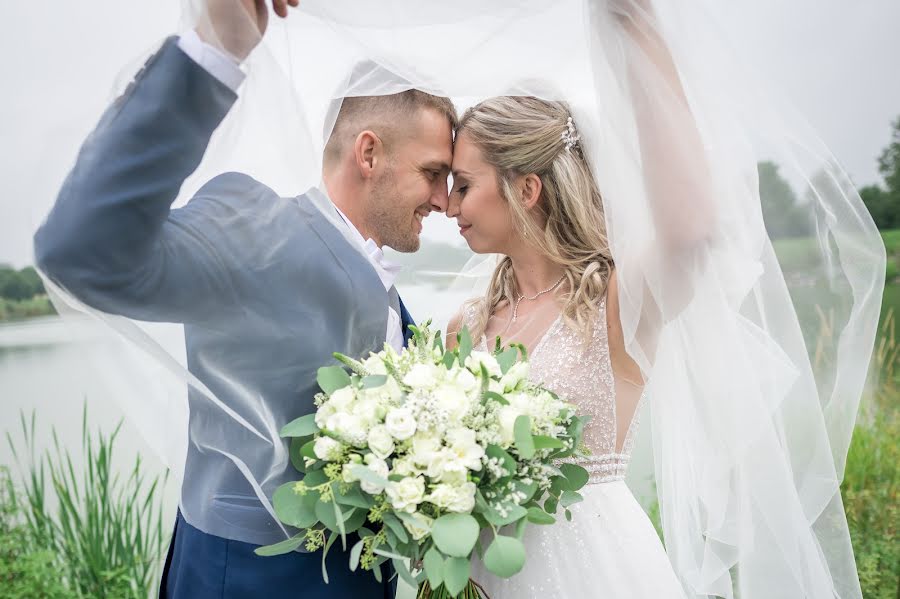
(522, 188)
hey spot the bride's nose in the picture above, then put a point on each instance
(453, 205)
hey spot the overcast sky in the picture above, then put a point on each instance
(59, 62)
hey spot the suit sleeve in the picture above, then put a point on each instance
(111, 239)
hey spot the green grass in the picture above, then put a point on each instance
(39, 305)
(105, 533)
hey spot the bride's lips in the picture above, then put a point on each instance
(464, 228)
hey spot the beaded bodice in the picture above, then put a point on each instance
(582, 374)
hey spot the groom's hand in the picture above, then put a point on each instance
(237, 26)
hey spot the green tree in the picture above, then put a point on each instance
(884, 202)
(782, 215)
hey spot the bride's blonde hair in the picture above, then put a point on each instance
(522, 135)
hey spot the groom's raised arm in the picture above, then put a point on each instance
(109, 239)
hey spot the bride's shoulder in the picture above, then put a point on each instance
(464, 316)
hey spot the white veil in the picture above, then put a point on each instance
(749, 433)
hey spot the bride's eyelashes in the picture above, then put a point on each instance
(461, 190)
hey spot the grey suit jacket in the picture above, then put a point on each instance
(267, 287)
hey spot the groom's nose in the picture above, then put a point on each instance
(440, 197)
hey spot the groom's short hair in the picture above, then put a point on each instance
(386, 114)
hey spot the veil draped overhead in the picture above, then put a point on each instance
(751, 407)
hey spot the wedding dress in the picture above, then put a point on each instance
(609, 548)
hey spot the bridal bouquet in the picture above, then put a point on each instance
(419, 452)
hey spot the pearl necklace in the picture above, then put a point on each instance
(535, 296)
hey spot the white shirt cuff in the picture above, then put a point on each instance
(214, 61)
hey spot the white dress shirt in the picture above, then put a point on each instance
(387, 272)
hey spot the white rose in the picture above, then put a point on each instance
(465, 379)
(400, 423)
(515, 375)
(405, 467)
(407, 494)
(342, 399)
(464, 501)
(477, 359)
(348, 427)
(374, 365)
(369, 410)
(380, 468)
(421, 376)
(421, 526)
(324, 412)
(380, 441)
(460, 499)
(328, 449)
(453, 400)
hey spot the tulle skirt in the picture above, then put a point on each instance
(609, 550)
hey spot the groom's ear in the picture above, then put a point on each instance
(531, 186)
(368, 151)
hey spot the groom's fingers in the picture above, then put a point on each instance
(281, 6)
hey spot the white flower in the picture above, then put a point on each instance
(374, 364)
(465, 379)
(348, 472)
(324, 412)
(342, 399)
(369, 410)
(421, 527)
(460, 499)
(438, 463)
(455, 473)
(380, 441)
(506, 417)
(465, 448)
(423, 448)
(380, 468)
(400, 423)
(405, 495)
(405, 467)
(515, 375)
(421, 376)
(452, 400)
(328, 449)
(348, 427)
(477, 359)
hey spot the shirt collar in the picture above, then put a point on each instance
(387, 270)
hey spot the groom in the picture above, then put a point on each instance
(267, 287)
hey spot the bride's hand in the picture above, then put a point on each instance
(237, 26)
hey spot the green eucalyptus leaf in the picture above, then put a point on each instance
(496, 397)
(456, 574)
(403, 570)
(394, 524)
(303, 426)
(522, 434)
(332, 378)
(514, 513)
(293, 509)
(507, 359)
(455, 534)
(544, 442)
(355, 554)
(465, 345)
(576, 475)
(569, 498)
(297, 457)
(505, 557)
(551, 504)
(373, 381)
(538, 516)
(434, 567)
(285, 546)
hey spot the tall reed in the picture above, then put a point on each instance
(105, 530)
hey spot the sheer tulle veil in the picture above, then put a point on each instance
(749, 426)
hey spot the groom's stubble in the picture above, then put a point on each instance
(389, 217)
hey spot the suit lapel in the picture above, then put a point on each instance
(405, 320)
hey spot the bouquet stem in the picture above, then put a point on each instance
(473, 590)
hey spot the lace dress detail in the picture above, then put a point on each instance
(582, 374)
